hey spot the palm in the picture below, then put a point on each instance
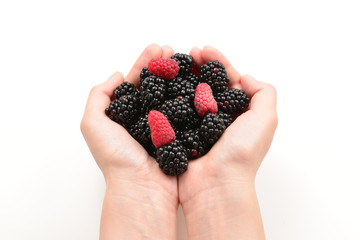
(127, 155)
(237, 155)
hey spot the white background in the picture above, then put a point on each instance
(53, 52)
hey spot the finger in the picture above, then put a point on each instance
(196, 53)
(100, 95)
(150, 52)
(212, 54)
(167, 51)
(262, 95)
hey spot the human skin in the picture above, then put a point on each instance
(217, 193)
(140, 202)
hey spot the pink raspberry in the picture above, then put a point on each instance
(204, 100)
(165, 68)
(161, 131)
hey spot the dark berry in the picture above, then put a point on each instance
(214, 74)
(227, 118)
(195, 146)
(178, 111)
(123, 110)
(180, 87)
(145, 72)
(172, 158)
(212, 127)
(192, 78)
(232, 101)
(152, 92)
(140, 130)
(185, 63)
(123, 89)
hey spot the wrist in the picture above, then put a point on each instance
(224, 212)
(135, 210)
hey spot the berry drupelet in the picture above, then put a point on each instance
(123, 110)
(123, 89)
(185, 63)
(232, 101)
(172, 158)
(214, 74)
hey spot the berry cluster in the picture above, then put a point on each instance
(177, 114)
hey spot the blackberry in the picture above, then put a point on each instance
(195, 146)
(180, 87)
(232, 101)
(140, 131)
(123, 110)
(178, 111)
(192, 78)
(214, 74)
(172, 158)
(212, 127)
(185, 63)
(123, 89)
(226, 117)
(152, 92)
(145, 72)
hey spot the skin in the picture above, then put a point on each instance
(140, 201)
(217, 192)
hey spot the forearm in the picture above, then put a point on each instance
(142, 215)
(230, 212)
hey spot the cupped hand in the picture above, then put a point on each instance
(120, 157)
(219, 176)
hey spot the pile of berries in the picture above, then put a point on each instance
(178, 112)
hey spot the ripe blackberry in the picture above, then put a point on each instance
(185, 63)
(232, 101)
(195, 146)
(226, 117)
(172, 158)
(212, 127)
(178, 111)
(180, 87)
(214, 74)
(152, 92)
(145, 72)
(123, 110)
(140, 131)
(192, 78)
(123, 89)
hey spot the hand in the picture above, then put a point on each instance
(136, 187)
(217, 192)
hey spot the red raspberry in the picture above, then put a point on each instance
(204, 100)
(165, 68)
(161, 131)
